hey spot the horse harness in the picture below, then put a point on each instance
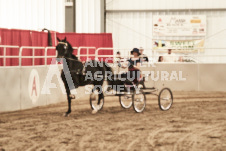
(76, 71)
(65, 46)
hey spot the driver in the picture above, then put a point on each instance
(134, 64)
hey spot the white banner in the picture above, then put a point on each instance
(179, 45)
(179, 25)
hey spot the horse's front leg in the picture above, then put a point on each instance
(69, 102)
(100, 95)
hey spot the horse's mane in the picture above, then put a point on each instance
(74, 57)
(71, 48)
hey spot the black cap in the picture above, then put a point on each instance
(135, 50)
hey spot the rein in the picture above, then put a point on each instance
(83, 69)
(72, 59)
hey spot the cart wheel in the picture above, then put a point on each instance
(139, 101)
(165, 99)
(94, 101)
(126, 100)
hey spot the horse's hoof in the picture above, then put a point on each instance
(94, 111)
(66, 114)
(72, 96)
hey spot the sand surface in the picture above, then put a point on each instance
(193, 123)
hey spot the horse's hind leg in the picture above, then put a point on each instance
(100, 96)
(100, 93)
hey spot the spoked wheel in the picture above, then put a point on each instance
(139, 101)
(126, 100)
(165, 99)
(94, 101)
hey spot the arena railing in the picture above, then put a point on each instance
(46, 53)
(20, 55)
(4, 53)
(87, 55)
(51, 56)
(33, 54)
(125, 52)
(197, 56)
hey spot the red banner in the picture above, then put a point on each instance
(40, 39)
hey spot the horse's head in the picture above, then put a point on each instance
(63, 48)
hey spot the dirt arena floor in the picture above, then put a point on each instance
(195, 122)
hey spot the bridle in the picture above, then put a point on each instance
(63, 43)
(65, 46)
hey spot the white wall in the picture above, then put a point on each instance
(134, 28)
(163, 4)
(88, 16)
(33, 14)
(130, 29)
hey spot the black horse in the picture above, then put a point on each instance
(75, 73)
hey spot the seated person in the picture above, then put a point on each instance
(129, 77)
(170, 57)
(118, 57)
(160, 59)
(134, 64)
(143, 57)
